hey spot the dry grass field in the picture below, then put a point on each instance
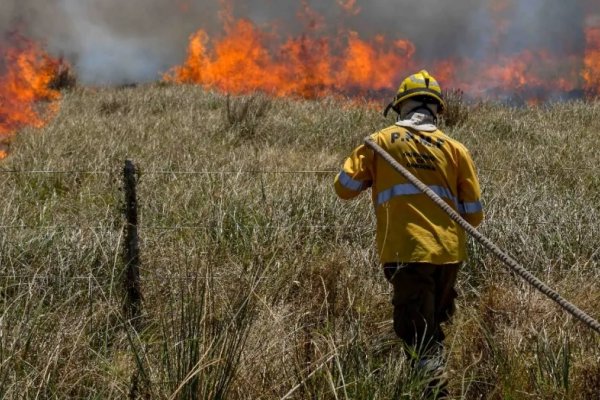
(258, 282)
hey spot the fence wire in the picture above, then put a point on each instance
(149, 277)
(201, 227)
(532, 169)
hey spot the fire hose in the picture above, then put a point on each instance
(488, 244)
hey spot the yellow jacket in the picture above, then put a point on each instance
(410, 227)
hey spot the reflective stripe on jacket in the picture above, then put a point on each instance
(410, 227)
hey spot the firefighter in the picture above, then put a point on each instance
(419, 246)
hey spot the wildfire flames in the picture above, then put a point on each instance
(591, 73)
(246, 59)
(305, 66)
(326, 60)
(26, 99)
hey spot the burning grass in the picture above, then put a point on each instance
(265, 285)
(30, 81)
(247, 57)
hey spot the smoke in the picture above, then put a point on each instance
(111, 41)
(115, 41)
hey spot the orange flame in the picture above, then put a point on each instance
(26, 72)
(591, 71)
(242, 62)
(246, 59)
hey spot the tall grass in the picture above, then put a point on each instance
(258, 282)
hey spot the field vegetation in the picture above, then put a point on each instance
(258, 282)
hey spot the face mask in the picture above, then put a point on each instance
(409, 106)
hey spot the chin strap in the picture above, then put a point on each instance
(387, 109)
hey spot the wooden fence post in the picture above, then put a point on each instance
(131, 253)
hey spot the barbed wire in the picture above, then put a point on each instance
(146, 278)
(54, 227)
(531, 169)
(234, 172)
(94, 277)
(209, 229)
(291, 226)
(57, 172)
(147, 227)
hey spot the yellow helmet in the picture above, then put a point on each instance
(418, 85)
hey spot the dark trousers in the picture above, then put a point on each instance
(423, 299)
